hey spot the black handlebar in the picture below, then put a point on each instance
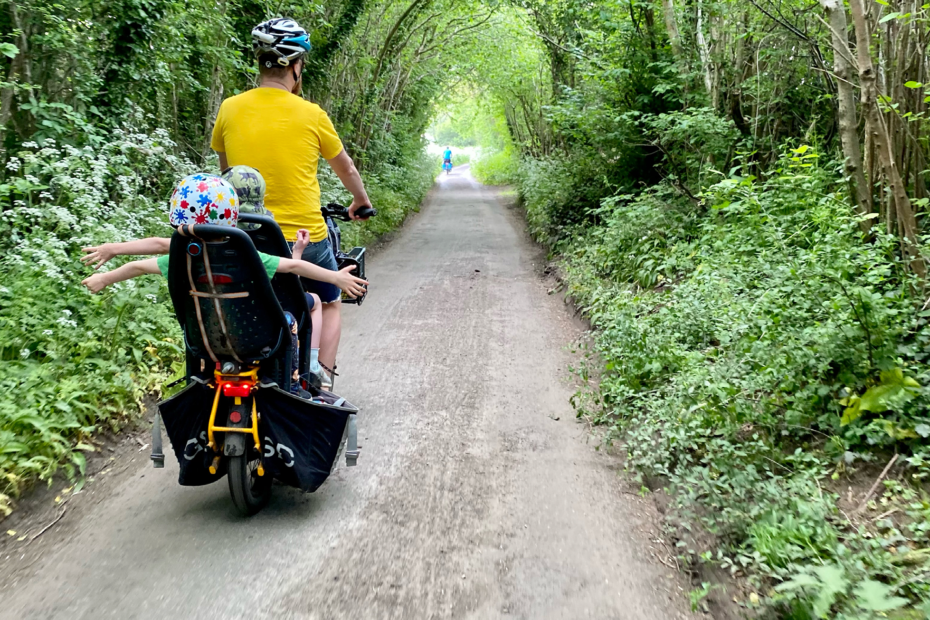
(339, 212)
(366, 212)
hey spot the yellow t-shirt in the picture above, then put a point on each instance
(282, 136)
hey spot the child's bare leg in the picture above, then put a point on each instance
(316, 332)
(316, 321)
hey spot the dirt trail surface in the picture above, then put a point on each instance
(477, 495)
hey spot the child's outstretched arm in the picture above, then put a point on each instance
(100, 254)
(303, 240)
(100, 281)
(343, 279)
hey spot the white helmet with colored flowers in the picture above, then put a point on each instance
(204, 199)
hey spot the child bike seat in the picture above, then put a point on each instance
(224, 300)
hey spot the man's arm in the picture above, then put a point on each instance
(345, 169)
(343, 279)
(100, 281)
(224, 164)
(100, 254)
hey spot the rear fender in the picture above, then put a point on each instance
(234, 443)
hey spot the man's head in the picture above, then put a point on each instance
(280, 44)
(204, 199)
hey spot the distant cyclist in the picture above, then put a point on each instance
(272, 128)
(447, 156)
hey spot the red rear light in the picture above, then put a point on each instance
(218, 278)
(237, 389)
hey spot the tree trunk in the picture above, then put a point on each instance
(674, 39)
(846, 115)
(19, 66)
(215, 99)
(649, 18)
(883, 144)
(705, 57)
(213, 108)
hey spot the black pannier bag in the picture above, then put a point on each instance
(186, 415)
(301, 437)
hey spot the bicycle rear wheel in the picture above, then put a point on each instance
(250, 492)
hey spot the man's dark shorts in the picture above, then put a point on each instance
(321, 254)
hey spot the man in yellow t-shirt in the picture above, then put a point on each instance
(273, 129)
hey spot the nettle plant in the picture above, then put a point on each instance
(72, 361)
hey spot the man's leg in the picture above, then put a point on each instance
(321, 253)
(331, 332)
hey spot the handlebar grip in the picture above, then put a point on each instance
(366, 212)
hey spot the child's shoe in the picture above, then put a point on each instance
(326, 380)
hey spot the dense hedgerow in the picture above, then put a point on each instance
(737, 336)
(72, 363)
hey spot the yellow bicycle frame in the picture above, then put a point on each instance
(250, 377)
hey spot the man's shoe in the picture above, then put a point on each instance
(320, 379)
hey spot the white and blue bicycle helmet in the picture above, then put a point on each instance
(281, 37)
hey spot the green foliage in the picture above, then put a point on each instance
(824, 585)
(734, 333)
(496, 168)
(74, 364)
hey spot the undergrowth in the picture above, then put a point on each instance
(757, 354)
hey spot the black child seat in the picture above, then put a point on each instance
(229, 310)
(225, 303)
(267, 237)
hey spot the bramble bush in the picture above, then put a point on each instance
(739, 339)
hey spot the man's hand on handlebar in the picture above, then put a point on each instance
(351, 285)
(364, 207)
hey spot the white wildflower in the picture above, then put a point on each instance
(24, 353)
(47, 332)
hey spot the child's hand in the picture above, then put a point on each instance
(96, 282)
(352, 286)
(98, 254)
(303, 240)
